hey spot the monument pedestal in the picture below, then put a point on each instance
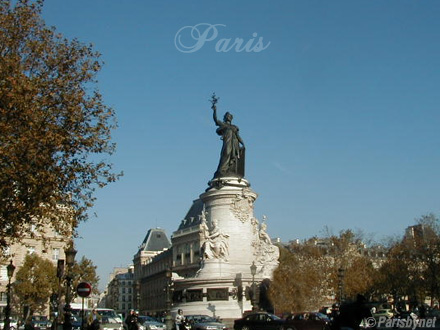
(232, 239)
(231, 206)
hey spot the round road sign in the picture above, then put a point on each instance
(84, 289)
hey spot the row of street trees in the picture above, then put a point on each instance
(312, 274)
(55, 130)
(36, 283)
(55, 138)
(412, 267)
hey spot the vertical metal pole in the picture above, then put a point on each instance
(168, 319)
(341, 284)
(254, 295)
(70, 261)
(60, 275)
(138, 295)
(340, 292)
(67, 315)
(82, 314)
(8, 307)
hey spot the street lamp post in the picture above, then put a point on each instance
(137, 286)
(341, 272)
(168, 319)
(70, 260)
(60, 276)
(254, 288)
(10, 270)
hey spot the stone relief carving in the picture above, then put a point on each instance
(242, 206)
(255, 225)
(215, 243)
(265, 251)
(264, 236)
(217, 294)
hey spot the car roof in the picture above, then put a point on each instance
(203, 315)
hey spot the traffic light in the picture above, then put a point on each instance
(60, 268)
(248, 293)
(240, 293)
(54, 301)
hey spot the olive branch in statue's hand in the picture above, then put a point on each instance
(214, 100)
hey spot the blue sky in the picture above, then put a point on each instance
(339, 112)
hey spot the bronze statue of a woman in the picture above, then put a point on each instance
(232, 155)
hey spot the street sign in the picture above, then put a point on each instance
(84, 289)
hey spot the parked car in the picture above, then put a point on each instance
(109, 319)
(434, 313)
(41, 322)
(205, 322)
(308, 321)
(150, 323)
(404, 315)
(13, 324)
(388, 313)
(261, 321)
(76, 322)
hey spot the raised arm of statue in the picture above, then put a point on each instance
(217, 122)
(232, 155)
(214, 100)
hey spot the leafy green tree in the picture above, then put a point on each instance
(423, 246)
(300, 282)
(359, 277)
(55, 130)
(307, 276)
(395, 276)
(412, 267)
(85, 271)
(34, 283)
(345, 251)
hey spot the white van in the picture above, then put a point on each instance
(109, 319)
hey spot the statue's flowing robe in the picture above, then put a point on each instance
(230, 152)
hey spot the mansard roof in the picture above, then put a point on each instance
(155, 240)
(192, 217)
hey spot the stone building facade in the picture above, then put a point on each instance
(120, 291)
(150, 264)
(186, 242)
(157, 255)
(153, 285)
(45, 242)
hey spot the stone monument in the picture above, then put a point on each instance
(231, 238)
